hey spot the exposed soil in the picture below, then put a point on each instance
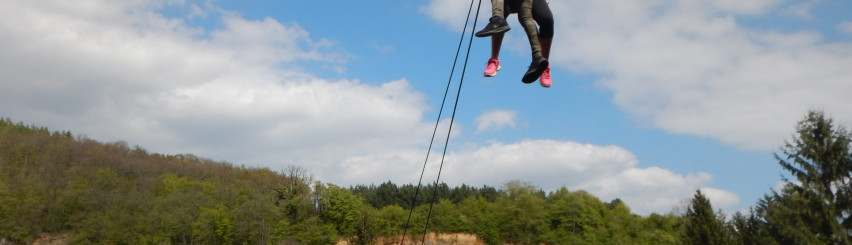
(431, 239)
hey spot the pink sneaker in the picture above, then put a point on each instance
(492, 67)
(545, 78)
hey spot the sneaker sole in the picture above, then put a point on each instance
(492, 32)
(529, 78)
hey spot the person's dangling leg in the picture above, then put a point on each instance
(545, 43)
(525, 17)
(493, 64)
(544, 18)
(539, 63)
(546, 79)
(499, 10)
(497, 23)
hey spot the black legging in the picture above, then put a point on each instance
(540, 13)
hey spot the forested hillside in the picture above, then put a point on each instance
(111, 193)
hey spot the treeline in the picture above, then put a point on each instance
(110, 193)
(389, 193)
(813, 207)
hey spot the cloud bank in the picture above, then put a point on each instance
(608, 172)
(691, 67)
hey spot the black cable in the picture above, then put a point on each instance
(440, 112)
(452, 118)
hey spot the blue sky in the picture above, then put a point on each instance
(651, 100)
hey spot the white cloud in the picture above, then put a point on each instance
(801, 9)
(742, 7)
(119, 70)
(550, 163)
(687, 70)
(496, 120)
(268, 41)
(608, 172)
(689, 67)
(721, 199)
(452, 13)
(196, 11)
(845, 27)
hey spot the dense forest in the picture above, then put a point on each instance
(111, 193)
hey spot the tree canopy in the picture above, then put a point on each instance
(111, 193)
(815, 207)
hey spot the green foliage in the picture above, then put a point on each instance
(341, 208)
(389, 193)
(446, 218)
(520, 211)
(816, 208)
(480, 216)
(750, 229)
(109, 193)
(701, 223)
(214, 226)
(660, 229)
(16, 207)
(579, 217)
(310, 231)
(390, 220)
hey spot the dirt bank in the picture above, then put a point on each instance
(431, 239)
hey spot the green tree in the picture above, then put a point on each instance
(702, 225)
(367, 228)
(787, 218)
(214, 226)
(580, 218)
(750, 229)
(18, 213)
(387, 194)
(481, 218)
(819, 159)
(623, 226)
(521, 213)
(342, 208)
(446, 217)
(390, 220)
(660, 229)
(309, 231)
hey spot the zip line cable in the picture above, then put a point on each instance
(452, 118)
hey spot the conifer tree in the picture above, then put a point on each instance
(819, 159)
(702, 226)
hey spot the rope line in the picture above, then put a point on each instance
(449, 131)
(452, 118)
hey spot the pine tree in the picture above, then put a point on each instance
(819, 158)
(702, 225)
